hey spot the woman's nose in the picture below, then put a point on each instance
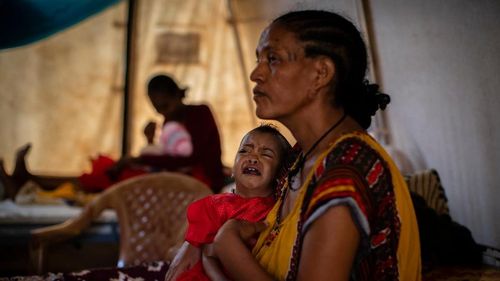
(256, 75)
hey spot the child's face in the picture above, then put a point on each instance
(256, 164)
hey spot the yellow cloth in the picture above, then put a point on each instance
(275, 256)
(32, 193)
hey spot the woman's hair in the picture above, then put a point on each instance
(328, 34)
(166, 85)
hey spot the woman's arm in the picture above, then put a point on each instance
(213, 268)
(328, 250)
(329, 246)
(185, 259)
(236, 257)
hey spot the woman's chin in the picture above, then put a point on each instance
(264, 115)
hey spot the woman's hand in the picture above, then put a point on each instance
(212, 267)
(231, 248)
(185, 259)
(244, 230)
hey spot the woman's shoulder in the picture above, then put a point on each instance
(198, 113)
(353, 170)
(356, 156)
(353, 148)
(198, 108)
(356, 137)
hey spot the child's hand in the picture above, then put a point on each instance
(185, 259)
(149, 131)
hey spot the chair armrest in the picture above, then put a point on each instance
(42, 237)
(62, 231)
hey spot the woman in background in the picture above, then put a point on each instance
(204, 158)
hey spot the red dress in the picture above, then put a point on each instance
(207, 215)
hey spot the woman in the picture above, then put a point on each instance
(204, 161)
(345, 212)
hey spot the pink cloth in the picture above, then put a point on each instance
(174, 141)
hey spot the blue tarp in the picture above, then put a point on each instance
(26, 21)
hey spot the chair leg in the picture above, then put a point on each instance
(37, 256)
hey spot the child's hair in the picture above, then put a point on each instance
(285, 148)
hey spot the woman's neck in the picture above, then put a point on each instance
(307, 130)
(177, 114)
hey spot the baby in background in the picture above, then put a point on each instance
(261, 157)
(174, 140)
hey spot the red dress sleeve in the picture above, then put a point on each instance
(203, 222)
(207, 215)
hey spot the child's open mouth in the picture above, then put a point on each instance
(251, 171)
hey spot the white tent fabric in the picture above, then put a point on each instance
(64, 94)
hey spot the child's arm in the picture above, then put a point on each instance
(213, 268)
(202, 225)
(185, 259)
(150, 131)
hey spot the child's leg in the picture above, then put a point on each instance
(21, 174)
(7, 182)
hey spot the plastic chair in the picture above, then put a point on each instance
(151, 212)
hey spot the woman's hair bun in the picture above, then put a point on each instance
(380, 99)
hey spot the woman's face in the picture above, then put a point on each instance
(256, 164)
(164, 104)
(283, 75)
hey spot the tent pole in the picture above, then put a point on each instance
(366, 20)
(241, 58)
(129, 75)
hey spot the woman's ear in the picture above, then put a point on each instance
(325, 71)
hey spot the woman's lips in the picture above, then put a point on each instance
(258, 93)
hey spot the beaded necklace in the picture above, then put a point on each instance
(294, 170)
(297, 167)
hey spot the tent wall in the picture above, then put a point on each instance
(218, 77)
(440, 63)
(63, 95)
